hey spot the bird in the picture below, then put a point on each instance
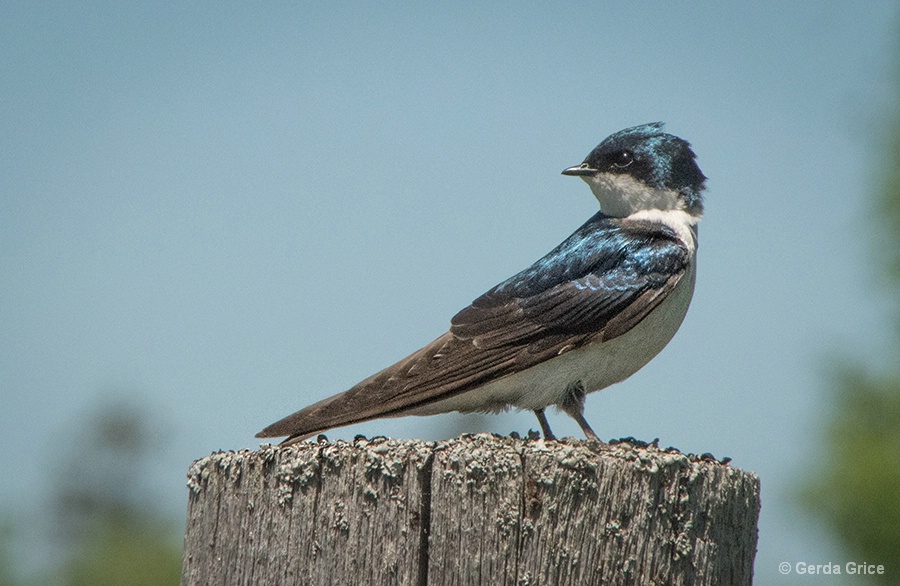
(589, 314)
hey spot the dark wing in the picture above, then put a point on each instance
(597, 285)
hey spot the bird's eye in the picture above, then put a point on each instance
(622, 159)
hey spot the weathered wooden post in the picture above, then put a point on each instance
(479, 509)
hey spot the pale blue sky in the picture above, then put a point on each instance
(229, 211)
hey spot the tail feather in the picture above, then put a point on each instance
(328, 413)
(381, 395)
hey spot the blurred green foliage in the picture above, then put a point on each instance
(6, 568)
(115, 536)
(106, 526)
(134, 552)
(856, 490)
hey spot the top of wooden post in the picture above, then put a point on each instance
(469, 510)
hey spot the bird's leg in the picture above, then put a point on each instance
(578, 416)
(545, 427)
(573, 405)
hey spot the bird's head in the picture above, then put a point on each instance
(643, 168)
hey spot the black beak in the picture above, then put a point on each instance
(580, 170)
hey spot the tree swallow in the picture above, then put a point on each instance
(590, 313)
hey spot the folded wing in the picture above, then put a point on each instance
(598, 284)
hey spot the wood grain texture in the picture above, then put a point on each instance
(309, 514)
(478, 509)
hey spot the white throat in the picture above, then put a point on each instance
(623, 195)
